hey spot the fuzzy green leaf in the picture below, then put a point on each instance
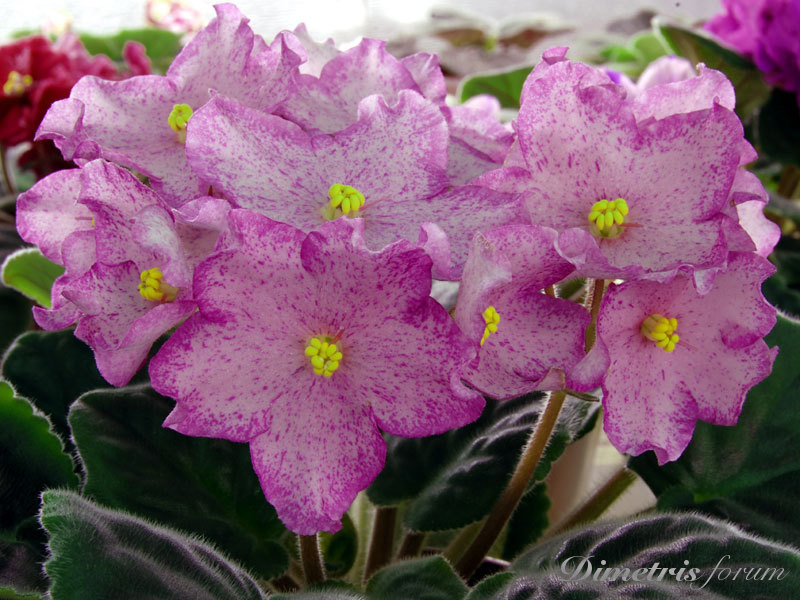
(31, 274)
(33, 460)
(567, 567)
(422, 579)
(102, 553)
(200, 485)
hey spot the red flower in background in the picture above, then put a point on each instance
(34, 73)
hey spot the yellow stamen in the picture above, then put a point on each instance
(607, 216)
(492, 320)
(324, 354)
(17, 84)
(152, 286)
(661, 330)
(178, 118)
(344, 199)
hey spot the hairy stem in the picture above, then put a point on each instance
(516, 487)
(311, 558)
(380, 543)
(598, 502)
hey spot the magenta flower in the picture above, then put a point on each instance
(677, 356)
(766, 32)
(390, 165)
(336, 341)
(628, 198)
(141, 122)
(529, 341)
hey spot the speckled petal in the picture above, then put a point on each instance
(227, 57)
(262, 162)
(330, 103)
(313, 461)
(317, 54)
(459, 212)
(49, 212)
(537, 335)
(114, 196)
(117, 318)
(653, 398)
(682, 96)
(427, 74)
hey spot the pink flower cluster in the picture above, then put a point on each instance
(287, 205)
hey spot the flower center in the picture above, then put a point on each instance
(661, 330)
(178, 118)
(153, 288)
(607, 217)
(344, 199)
(492, 319)
(17, 84)
(324, 355)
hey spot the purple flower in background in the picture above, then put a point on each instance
(141, 122)
(337, 341)
(677, 356)
(768, 33)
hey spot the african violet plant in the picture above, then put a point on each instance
(248, 245)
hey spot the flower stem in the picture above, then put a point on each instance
(6, 177)
(516, 487)
(411, 544)
(598, 289)
(311, 558)
(380, 544)
(598, 502)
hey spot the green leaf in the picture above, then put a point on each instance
(747, 80)
(528, 522)
(779, 127)
(633, 58)
(52, 369)
(204, 486)
(102, 553)
(749, 473)
(437, 473)
(506, 86)
(30, 273)
(33, 460)
(422, 579)
(649, 547)
(161, 46)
